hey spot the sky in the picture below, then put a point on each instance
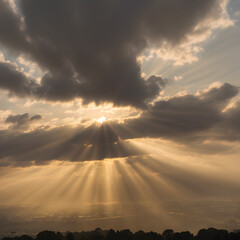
(119, 114)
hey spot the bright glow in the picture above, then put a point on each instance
(127, 190)
(101, 119)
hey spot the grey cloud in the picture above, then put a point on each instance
(21, 121)
(219, 95)
(230, 126)
(91, 52)
(233, 118)
(11, 28)
(42, 146)
(64, 87)
(35, 117)
(15, 81)
(186, 119)
(181, 116)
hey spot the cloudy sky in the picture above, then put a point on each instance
(119, 114)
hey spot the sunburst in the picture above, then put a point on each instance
(101, 119)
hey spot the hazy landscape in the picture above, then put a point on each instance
(119, 114)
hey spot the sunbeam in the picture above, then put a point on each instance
(121, 114)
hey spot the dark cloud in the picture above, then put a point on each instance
(232, 117)
(42, 146)
(89, 49)
(35, 117)
(230, 125)
(186, 119)
(21, 121)
(219, 95)
(11, 28)
(14, 81)
(181, 116)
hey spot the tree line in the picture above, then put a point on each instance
(98, 234)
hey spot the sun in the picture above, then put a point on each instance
(101, 119)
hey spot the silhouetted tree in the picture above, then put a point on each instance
(98, 234)
(59, 236)
(212, 234)
(126, 234)
(153, 236)
(140, 235)
(111, 235)
(24, 237)
(7, 238)
(234, 235)
(69, 236)
(168, 234)
(47, 235)
(183, 236)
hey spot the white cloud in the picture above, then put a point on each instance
(3, 116)
(188, 50)
(177, 78)
(1, 57)
(29, 68)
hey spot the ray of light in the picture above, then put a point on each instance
(121, 188)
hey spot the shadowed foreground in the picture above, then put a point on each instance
(98, 234)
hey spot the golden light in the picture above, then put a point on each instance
(101, 119)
